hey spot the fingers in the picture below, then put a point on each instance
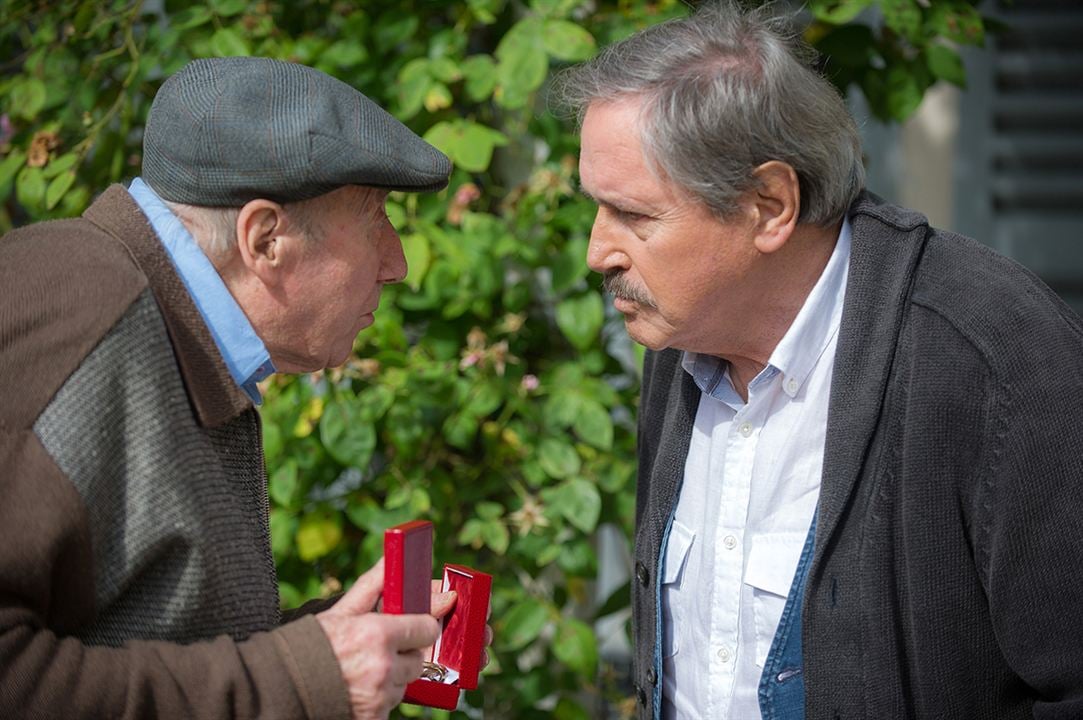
(488, 643)
(362, 597)
(411, 632)
(408, 667)
(442, 603)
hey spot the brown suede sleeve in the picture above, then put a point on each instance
(46, 586)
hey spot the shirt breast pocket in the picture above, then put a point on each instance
(674, 612)
(772, 562)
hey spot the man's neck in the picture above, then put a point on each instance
(793, 273)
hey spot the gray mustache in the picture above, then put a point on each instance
(616, 283)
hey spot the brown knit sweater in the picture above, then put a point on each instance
(136, 578)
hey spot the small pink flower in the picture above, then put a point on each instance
(530, 383)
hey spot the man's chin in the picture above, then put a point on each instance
(650, 340)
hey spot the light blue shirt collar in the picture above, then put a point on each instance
(245, 354)
(800, 348)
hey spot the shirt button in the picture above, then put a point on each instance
(652, 676)
(745, 429)
(791, 385)
(642, 575)
(724, 654)
(730, 542)
(640, 695)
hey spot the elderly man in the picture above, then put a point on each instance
(859, 462)
(136, 577)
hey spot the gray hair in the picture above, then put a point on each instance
(724, 91)
(215, 228)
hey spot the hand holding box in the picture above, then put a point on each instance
(456, 657)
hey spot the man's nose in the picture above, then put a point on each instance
(602, 252)
(393, 266)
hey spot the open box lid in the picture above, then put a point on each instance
(408, 568)
(463, 637)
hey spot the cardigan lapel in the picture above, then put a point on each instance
(211, 389)
(887, 245)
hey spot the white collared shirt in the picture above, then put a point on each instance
(751, 482)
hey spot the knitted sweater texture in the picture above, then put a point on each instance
(947, 579)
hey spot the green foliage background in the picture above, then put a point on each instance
(495, 394)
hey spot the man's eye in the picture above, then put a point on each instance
(629, 215)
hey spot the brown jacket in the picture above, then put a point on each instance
(135, 573)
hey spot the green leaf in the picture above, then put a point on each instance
(904, 92)
(618, 600)
(576, 647)
(460, 430)
(418, 256)
(437, 97)
(480, 74)
(414, 81)
(594, 425)
(485, 10)
(850, 45)
(474, 149)
(904, 17)
(272, 439)
(945, 64)
(444, 136)
(374, 519)
(580, 319)
(226, 42)
(569, 709)
(191, 17)
(567, 41)
(958, 23)
(60, 185)
(394, 28)
(28, 98)
(445, 70)
(228, 8)
(471, 533)
(580, 504)
(318, 534)
(558, 458)
(10, 165)
(283, 484)
(282, 526)
(522, 624)
(489, 510)
(484, 399)
(570, 265)
(522, 63)
(562, 408)
(30, 188)
(495, 534)
(838, 12)
(345, 53)
(346, 434)
(59, 165)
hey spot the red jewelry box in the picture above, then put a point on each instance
(407, 588)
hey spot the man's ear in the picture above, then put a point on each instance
(262, 240)
(776, 202)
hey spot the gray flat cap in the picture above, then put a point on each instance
(223, 131)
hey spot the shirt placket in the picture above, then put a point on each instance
(729, 541)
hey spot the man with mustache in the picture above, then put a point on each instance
(136, 576)
(859, 483)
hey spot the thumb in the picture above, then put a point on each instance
(362, 597)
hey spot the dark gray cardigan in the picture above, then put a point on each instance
(948, 576)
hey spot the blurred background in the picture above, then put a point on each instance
(496, 393)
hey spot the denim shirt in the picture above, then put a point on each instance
(243, 351)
